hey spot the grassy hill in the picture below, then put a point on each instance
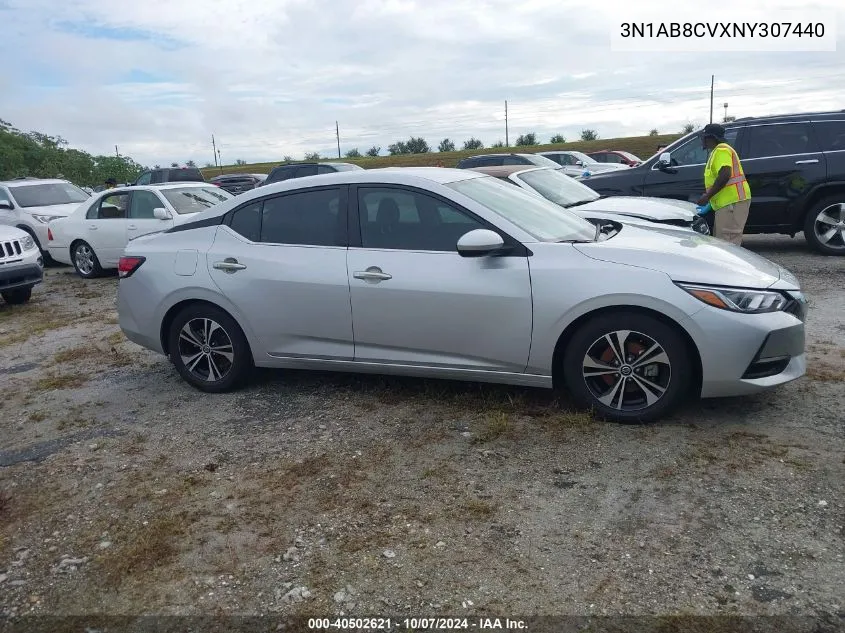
(642, 146)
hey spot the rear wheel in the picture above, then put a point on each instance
(85, 260)
(824, 227)
(627, 367)
(17, 296)
(208, 348)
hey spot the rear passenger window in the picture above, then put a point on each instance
(311, 218)
(306, 170)
(408, 220)
(831, 135)
(325, 169)
(246, 221)
(779, 140)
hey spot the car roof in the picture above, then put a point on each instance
(799, 116)
(35, 181)
(160, 187)
(502, 171)
(502, 154)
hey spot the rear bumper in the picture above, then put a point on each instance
(20, 276)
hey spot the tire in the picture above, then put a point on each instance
(596, 386)
(17, 296)
(85, 260)
(198, 323)
(828, 212)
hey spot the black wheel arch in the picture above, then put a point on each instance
(170, 315)
(817, 194)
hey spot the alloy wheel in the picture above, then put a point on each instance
(829, 226)
(83, 256)
(626, 370)
(206, 349)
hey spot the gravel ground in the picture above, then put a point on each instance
(124, 491)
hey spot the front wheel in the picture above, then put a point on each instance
(627, 367)
(17, 296)
(208, 348)
(824, 227)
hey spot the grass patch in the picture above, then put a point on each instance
(477, 509)
(115, 338)
(143, 549)
(496, 425)
(60, 381)
(825, 373)
(642, 146)
(75, 354)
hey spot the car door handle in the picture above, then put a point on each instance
(92, 228)
(372, 274)
(132, 227)
(229, 265)
(807, 162)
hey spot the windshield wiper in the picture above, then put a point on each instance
(579, 203)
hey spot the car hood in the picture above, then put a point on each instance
(55, 209)
(658, 209)
(692, 258)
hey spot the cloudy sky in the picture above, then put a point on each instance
(268, 79)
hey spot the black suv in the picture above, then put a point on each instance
(497, 160)
(300, 170)
(170, 174)
(795, 165)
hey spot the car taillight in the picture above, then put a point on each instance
(49, 235)
(128, 265)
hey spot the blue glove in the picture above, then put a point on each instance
(703, 210)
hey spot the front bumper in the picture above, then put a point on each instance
(742, 354)
(19, 276)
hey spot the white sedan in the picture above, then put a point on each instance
(93, 237)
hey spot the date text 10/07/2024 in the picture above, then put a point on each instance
(416, 624)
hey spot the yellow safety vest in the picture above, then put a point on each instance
(736, 189)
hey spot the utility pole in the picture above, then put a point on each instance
(726, 112)
(221, 161)
(712, 80)
(214, 150)
(337, 132)
(116, 152)
(507, 143)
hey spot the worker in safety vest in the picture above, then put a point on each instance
(727, 191)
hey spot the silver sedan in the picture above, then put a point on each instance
(443, 273)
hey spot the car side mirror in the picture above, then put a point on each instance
(579, 163)
(479, 243)
(665, 159)
(160, 213)
(5, 204)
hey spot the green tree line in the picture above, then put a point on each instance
(42, 156)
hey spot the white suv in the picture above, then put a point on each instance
(30, 203)
(21, 265)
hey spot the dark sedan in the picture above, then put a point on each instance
(238, 183)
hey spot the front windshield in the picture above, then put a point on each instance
(543, 220)
(559, 188)
(47, 195)
(195, 199)
(583, 158)
(542, 161)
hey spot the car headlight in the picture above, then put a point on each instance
(738, 299)
(27, 243)
(46, 219)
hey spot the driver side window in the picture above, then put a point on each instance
(144, 179)
(692, 152)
